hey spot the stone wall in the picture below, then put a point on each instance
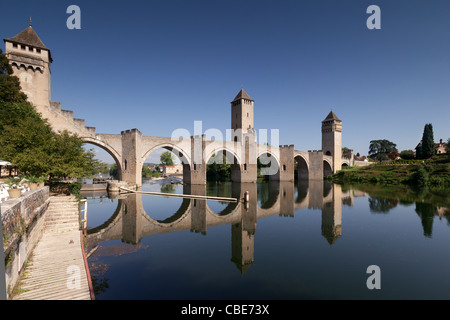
(357, 163)
(23, 221)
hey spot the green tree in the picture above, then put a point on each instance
(25, 138)
(167, 158)
(146, 172)
(10, 90)
(379, 149)
(393, 154)
(28, 141)
(70, 159)
(407, 154)
(113, 171)
(426, 148)
(218, 170)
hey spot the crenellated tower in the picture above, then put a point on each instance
(31, 60)
(241, 115)
(332, 139)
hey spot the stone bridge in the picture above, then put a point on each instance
(31, 63)
(130, 149)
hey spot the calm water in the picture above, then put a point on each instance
(291, 241)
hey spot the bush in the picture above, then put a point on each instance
(420, 177)
(66, 188)
(406, 155)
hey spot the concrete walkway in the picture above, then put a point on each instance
(57, 269)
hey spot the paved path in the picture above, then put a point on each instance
(56, 270)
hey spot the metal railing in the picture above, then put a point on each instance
(84, 214)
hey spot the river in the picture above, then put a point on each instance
(291, 240)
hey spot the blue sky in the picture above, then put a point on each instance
(161, 65)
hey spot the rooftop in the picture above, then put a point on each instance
(242, 95)
(332, 116)
(28, 37)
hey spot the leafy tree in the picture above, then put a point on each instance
(10, 90)
(69, 159)
(419, 177)
(167, 158)
(218, 170)
(113, 171)
(146, 172)
(28, 141)
(25, 138)
(379, 149)
(426, 149)
(407, 154)
(393, 154)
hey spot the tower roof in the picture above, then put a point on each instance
(332, 116)
(28, 37)
(242, 95)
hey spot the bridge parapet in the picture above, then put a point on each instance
(60, 120)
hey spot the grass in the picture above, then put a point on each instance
(434, 172)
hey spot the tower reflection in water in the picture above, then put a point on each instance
(130, 222)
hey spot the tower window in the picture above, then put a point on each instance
(15, 45)
(284, 167)
(22, 47)
(38, 50)
(247, 114)
(30, 49)
(245, 167)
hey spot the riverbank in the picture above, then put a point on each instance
(434, 172)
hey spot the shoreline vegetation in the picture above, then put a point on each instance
(433, 173)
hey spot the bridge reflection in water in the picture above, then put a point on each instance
(130, 222)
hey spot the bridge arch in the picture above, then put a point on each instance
(327, 168)
(230, 208)
(109, 149)
(345, 163)
(272, 170)
(231, 157)
(302, 167)
(183, 155)
(179, 152)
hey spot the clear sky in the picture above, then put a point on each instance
(161, 65)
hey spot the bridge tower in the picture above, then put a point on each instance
(332, 139)
(241, 115)
(30, 60)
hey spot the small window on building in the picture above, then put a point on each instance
(15, 45)
(245, 167)
(247, 114)
(30, 49)
(22, 47)
(38, 50)
(284, 167)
